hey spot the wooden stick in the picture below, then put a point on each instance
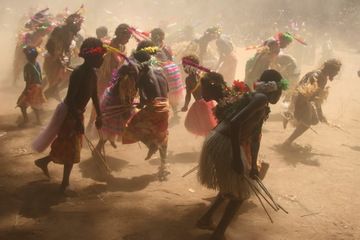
(262, 204)
(261, 184)
(94, 150)
(191, 171)
(270, 204)
(265, 190)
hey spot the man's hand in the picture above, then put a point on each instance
(98, 122)
(184, 109)
(254, 172)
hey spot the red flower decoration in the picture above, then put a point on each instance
(240, 86)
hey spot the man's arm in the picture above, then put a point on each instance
(95, 100)
(258, 102)
(189, 89)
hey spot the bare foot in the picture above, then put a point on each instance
(113, 144)
(205, 224)
(263, 170)
(43, 166)
(63, 187)
(163, 172)
(152, 151)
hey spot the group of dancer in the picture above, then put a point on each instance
(133, 96)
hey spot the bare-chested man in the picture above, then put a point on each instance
(58, 54)
(65, 149)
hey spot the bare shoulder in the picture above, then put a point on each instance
(260, 99)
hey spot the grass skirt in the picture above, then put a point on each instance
(215, 168)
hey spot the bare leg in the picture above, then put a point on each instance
(66, 175)
(299, 130)
(205, 222)
(37, 115)
(229, 214)
(25, 116)
(100, 145)
(163, 152)
(152, 149)
(42, 163)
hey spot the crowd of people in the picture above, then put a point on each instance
(134, 94)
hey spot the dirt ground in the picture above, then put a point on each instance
(318, 188)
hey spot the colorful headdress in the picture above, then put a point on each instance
(139, 35)
(150, 50)
(76, 18)
(188, 62)
(30, 51)
(94, 51)
(289, 37)
(271, 86)
(240, 86)
(117, 51)
(284, 36)
(40, 21)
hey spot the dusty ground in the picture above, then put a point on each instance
(319, 189)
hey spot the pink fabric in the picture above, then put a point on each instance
(200, 119)
(48, 135)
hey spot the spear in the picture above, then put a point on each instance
(190, 171)
(262, 204)
(268, 193)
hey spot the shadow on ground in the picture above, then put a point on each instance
(185, 157)
(297, 154)
(38, 197)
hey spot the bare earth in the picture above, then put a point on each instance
(319, 188)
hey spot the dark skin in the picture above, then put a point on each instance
(82, 87)
(326, 74)
(125, 70)
(152, 85)
(32, 60)
(58, 45)
(122, 39)
(191, 83)
(246, 123)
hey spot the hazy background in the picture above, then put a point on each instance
(246, 21)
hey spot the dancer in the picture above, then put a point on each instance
(58, 55)
(171, 70)
(199, 119)
(112, 62)
(35, 30)
(117, 105)
(32, 96)
(227, 59)
(230, 152)
(150, 124)
(310, 93)
(65, 149)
